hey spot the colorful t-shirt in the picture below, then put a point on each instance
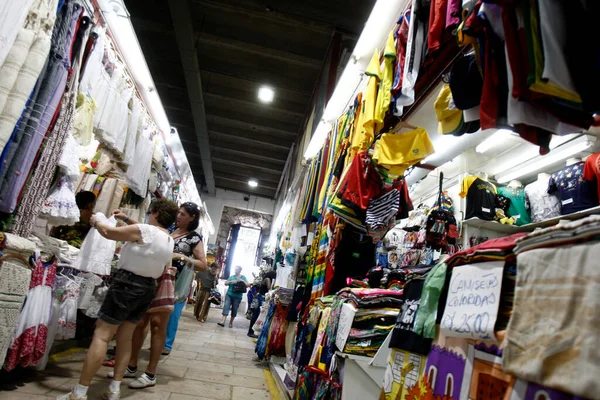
(574, 192)
(519, 208)
(481, 198)
(230, 290)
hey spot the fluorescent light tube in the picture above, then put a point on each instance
(317, 140)
(540, 162)
(382, 20)
(496, 139)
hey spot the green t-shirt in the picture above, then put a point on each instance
(518, 204)
(230, 290)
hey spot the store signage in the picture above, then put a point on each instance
(473, 300)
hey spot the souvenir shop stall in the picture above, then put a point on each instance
(444, 227)
(74, 119)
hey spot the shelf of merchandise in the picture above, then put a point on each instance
(510, 229)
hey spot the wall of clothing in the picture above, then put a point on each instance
(374, 265)
(68, 104)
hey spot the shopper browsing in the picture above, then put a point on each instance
(148, 250)
(238, 284)
(155, 319)
(189, 249)
(207, 281)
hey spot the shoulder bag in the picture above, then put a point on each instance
(183, 282)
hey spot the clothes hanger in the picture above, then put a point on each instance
(402, 124)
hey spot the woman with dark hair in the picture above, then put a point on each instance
(149, 249)
(188, 249)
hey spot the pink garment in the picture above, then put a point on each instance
(453, 14)
(29, 343)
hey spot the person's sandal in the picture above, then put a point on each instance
(165, 352)
(221, 324)
(231, 325)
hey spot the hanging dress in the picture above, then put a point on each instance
(29, 342)
(67, 321)
(60, 208)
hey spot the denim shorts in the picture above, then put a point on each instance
(233, 303)
(128, 298)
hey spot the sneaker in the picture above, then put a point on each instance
(142, 382)
(70, 396)
(108, 395)
(128, 374)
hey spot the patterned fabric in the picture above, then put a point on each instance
(185, 245)
(36, 190)
(14, 284)
(24, 63)
(164, 300)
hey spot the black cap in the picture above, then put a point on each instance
(466, 83)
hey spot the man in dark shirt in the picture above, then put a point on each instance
(75, 234)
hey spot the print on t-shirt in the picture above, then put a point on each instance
(574, 191)
(481, 198)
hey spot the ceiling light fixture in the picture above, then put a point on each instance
(253, 183)
(496, 139)
(266, 94)
(562, 153)
(382, 20)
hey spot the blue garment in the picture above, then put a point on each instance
(230, 289)
(174, 324)
(233, 303)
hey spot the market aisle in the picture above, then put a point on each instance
(208, 362)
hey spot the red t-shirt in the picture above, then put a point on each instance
(591, 170)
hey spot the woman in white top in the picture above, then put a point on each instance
(148, 250)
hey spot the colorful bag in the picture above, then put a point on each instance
(215, 297)
(164, 299)
(184, 282)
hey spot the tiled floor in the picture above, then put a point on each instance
(207, 362)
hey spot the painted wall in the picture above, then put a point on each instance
(215, 204)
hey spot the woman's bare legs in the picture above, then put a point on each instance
(124, 344)
(139, 336)
(103, 333)
(158, 326)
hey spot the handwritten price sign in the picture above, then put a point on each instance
(473, 299)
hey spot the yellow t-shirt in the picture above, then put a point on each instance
(384, 97)
(365, 131)
(396, 152)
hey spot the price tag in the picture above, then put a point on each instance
(473, 300)
(568, 201)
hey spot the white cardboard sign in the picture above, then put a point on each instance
(473, 300)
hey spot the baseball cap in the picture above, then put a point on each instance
(466, 83)
(450, 118)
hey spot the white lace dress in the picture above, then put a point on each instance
(60, 208)
(139, 173)
(97, 253)
(69, 159)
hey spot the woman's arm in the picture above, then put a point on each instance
(199, 261)
(129, 233)
(118, 214)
